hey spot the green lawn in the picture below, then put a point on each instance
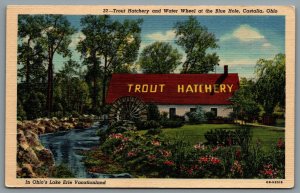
(195, 133)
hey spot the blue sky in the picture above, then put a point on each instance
(242, 39)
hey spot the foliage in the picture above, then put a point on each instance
(153, 112)
(33, 105)
(244, 101)
(21, 114)
(62, 171)
(196, 41)
(271, 83)
(55, 39)
(30, 53)
(168, 123)
(154, 131)
(71, 92)
(241, 136)
(117, 44)
(40, 38)
(159, 58)
(210, 115)
(145, 125)
(197, 116)
(157, 156)
(174, 122)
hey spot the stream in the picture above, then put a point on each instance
(66, 146)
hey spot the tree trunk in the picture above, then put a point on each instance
(104, 88)
(27, 72)
(95, 86)
(50, 86)
(104, 81)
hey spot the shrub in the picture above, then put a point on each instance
(172, 123)
(145, 125)
(196, 117)
(219, 137)
(241, 137)
(153, 112)
(176, 121)
(153, 131)
(157, 156)
(62, 171)
(210, 115)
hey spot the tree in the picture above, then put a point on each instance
(55, 39)
(33, 105)
(271, 83)
(71, 92)
(159, 58)
(107, 46)
(30, 53)
(244, 101)
(195, 41)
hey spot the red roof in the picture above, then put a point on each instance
(182, 89)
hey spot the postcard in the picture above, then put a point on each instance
(136, 96)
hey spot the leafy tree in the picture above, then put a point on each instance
(30, 53)
(244, 101)
(271, 83)
(33, 105)
(55, 39)
(107, 46)
(195, 41)
(71, 92)
(159, 58)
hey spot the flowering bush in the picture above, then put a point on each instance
(158, 156)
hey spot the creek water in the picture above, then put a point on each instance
(66, 147)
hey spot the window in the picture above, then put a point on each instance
(192, 109)
(172, 112)
(214, 111)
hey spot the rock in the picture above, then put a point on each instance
(33, 159)
(46, 156)
(27, 171)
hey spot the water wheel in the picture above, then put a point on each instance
(128, 108)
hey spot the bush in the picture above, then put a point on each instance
(156, 156)
(62, 171)
(241, 137)
(219, 137)
(145, 125)
(210, 115)
(154, 131)
(196, 117)
(153, 112)
(172, 123)
(176, 121)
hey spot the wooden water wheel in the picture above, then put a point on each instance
(128, 108)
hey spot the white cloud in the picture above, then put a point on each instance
(267, 45)
(237, 62)
(162, 36)
(244, 33)
(76, 38)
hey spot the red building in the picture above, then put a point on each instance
(177, 93)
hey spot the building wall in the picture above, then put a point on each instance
(223, 110)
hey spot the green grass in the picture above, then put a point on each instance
(193, 134)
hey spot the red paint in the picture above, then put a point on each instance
(119, 88)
